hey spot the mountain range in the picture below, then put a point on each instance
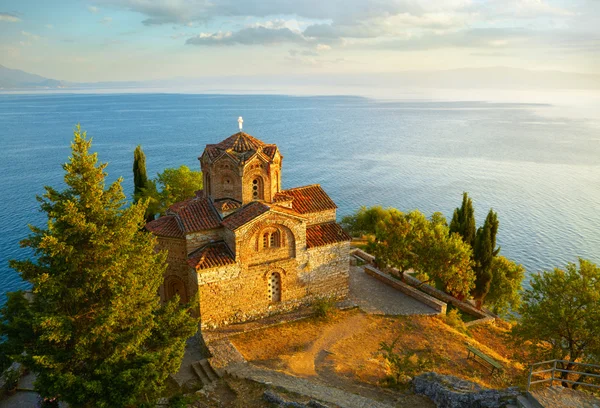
(464, 78)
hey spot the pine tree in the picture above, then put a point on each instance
(140, 177)
(484, 252)
(102, 338)
(463, 220)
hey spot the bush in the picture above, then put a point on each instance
(323, 307)
(403, 366)
(11, 379)
(454, 319)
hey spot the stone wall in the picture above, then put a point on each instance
(237, 293)
(320, 217)
(447, 391)
(197, 240)
(177, 267)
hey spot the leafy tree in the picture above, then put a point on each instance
(505, 285)
(364, 221)
(484, 252)
(560, 315)
(140, 178)
(15, 327)
(412, 241)
(171, 186)
(463, 220)
(101, 336)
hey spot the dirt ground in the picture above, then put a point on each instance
(343, 350)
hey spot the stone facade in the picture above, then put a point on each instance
(247, 247)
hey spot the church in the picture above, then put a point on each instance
(246, 246)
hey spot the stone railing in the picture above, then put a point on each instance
(430, 301)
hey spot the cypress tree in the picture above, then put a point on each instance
(463, 220)
(484, 252)
(140, 177)
(101, 336)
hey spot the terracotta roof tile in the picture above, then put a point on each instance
(241, 147)
(166, 226)
(211, 256)
(196, 214)
(325, 234)
(240, 142)
(244, 215)
(270, 150)
(309, 199)
(227, 204)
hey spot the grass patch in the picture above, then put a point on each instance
(465, 317)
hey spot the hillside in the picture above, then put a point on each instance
(17, 79)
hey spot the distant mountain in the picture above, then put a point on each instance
(504, 78)
(17, 79)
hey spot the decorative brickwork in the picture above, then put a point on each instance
(247, 247)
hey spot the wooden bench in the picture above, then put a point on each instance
(476, 353)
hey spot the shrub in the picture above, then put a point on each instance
(454, 319)
(323, 307)
(11, 379)
(403, 366)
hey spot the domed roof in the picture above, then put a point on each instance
(241, 146)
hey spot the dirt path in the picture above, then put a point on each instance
(303, 363)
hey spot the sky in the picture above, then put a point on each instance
(125, 40)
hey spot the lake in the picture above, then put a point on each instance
(536, 164)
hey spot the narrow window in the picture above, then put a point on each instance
(274, 287)
(266, 240)
(257, 189)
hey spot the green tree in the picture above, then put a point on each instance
(140, 178)
(560, 315)
(463, 220)
(484, 252)
(15, 328)
(505, 286)
(412, 241)
(170, 187)
(102, 337)
(365, 220)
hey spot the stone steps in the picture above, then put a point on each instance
(205, 372)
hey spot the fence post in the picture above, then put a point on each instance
(553, 370)
(529, 377)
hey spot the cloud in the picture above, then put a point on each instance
(9, 17)
(106, 21)
(304, 53)
(93, 9)
(50, 26)
(248, 36)
(31, 36)
(323, 47)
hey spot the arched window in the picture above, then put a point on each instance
(274, 287)
(271, 239)
(257, 188)
(208, 184)
(175, 286)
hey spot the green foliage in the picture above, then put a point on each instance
(454, 319)
(101, 337)
(484, 252)
(463, 220)
(412, 241)
(365, 221)
(140, 177)
(172, 186)
(505, 286)
(11, 379)
(560, 314)
(403, 365)
(15, 327)
(323, 307)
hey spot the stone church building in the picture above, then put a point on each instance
(245, 245)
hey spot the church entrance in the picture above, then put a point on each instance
(274, 287)
(175, 286)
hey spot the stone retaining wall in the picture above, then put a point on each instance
(430, 301)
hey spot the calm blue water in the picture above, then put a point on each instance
(540, 171)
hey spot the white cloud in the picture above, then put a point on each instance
(248, 36)
(49, 26)
(9, 17)
(93, 9)
(106, 20)
(323, 47)
(31, 36)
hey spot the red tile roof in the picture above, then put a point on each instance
(240, 142)
(166, 226)
(240, 146)
(325, 234)
(211, 256)
(308, 199)
(244, 215)
(196, 214)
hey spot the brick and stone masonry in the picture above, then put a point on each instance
(247, 247)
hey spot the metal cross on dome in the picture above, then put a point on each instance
(240, 121)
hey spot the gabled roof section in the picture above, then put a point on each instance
(195, 214)
(245, 215)
(307, 199)
(211, 256)
(241, 147)
(325, 234)
(166, 226)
